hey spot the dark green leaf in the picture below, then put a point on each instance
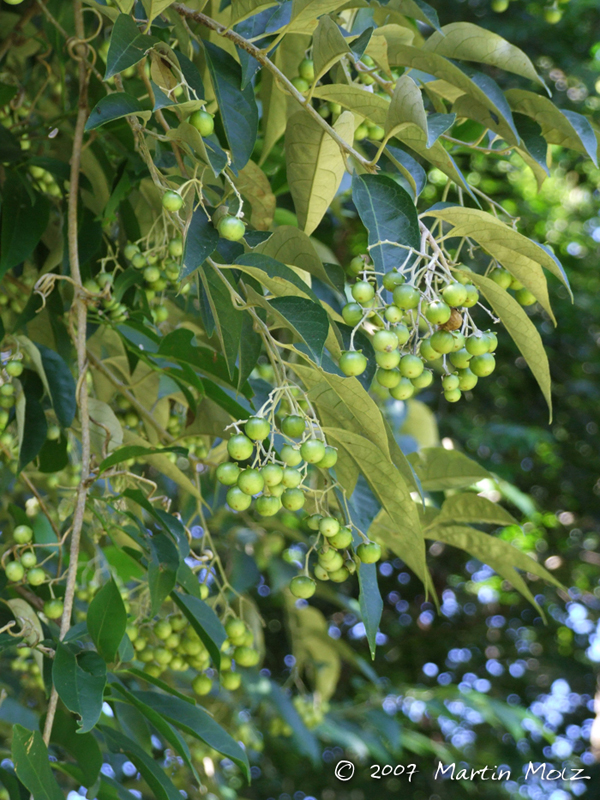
(274, 275)
(408, 166)
(115, 106)
(162, 570)
(25, 216)
(205, 622)
(419, 10)
(80, 680)
(228, 320)
(250, 349)
(82, 746)
(62, 385)
(145, 676)
(201, 240)
(133, 451)
(152, 772)
(389, 215)
(237, 107)
(32, 425)
(307, 319)
(54, 455)
(14, 787)
(196, 722)
(370, 602)
(440, 469)
(438, 124)
(127, 46)
(30, 757)
(107, 620)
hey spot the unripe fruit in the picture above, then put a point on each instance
(332, 560)
(553, 15)
(525, 297)
(204, 591)
(483, 365)
(231, 228)
(492, 341)
(342, 539)
(361, 132)
(251, 481)
(461, 358)
(235, 628)
(454, 294)
(36, 576)
(290, 455)
(321, 573)
(14, 368)
(163, 629)
(393, 314)
(472, 296)
(477, 345)
(202, 685)
(53, 609)
(329, 526)
(312, 450)
(172, 201)
(151, 274)
(453, 395)
(22, 534)
(384, 341)
(458, 341)
(406, 297)
(438, 312)
(14, 571)
(363, 292)
(369, 553)
(329, 459)
(402, 334)
(306, 69)
(353, 363)
(442, 341)
(228, 473)
(293, 426)
(29, 559)
(411, 366)
(245, 656)
(339, 575)
(272, 474)
(356, 266)
(427, 351)
(178, 623)
(392, 279)
(291, 478)
(423, 380)
(467, 380)
(203, 122)
(231, 680)
(403, 390)
(388, 360)
(499, 6)
(240, 447)
(237, 499)
(302, 586)
(268, 506)
(175, 248)
(257, 429)
(293, 499)
(502, 277)
(450, 382)
(313, 521)
(352, 314)
(388, 377)
(300, 84)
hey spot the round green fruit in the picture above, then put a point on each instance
(393, 314)
(453, 395)
(202, 685)
(438, 312)
(492, 341)
(483, 365)
(472, 296)
(502, 277)
(240, 447)
(300, 85)
(245, 656)
(467, 380)
(172, 201)
(353, 363)
(230, 680)
(450, 382)
(388, 360)
(306, 69)
(14, 571)
(499, 6)
(329, 526)
(411, 366)
(235, 628)
(22, 534)
(427, 351)
(231, 228)
(461, 358)
(268, 506)
(313, 521)
(388, 377)
(293, 426)
(442, 342)
(251, 482)
(290, 455)
(257, 429)
(203, 122)
(293, 499)
(384, 341)
(356, 266)
(525, 297)
(424, 380)
(392, 279)
(352, 314)
(29, 559)
(175, 248)
(237, 499)
(363, 292)
(477, 344)
(406, 297)
(291, 478)
(272, 473)
(339, 575)
(321, 573)
(303, 587)
(342, 539)
(312, 450)
(36, 576)
(228, 473)
(403, 390)
(163, 629)
(369, 553)
(454, 294)
(14, 368)
(329, 459)
(53, 609)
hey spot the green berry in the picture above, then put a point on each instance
(393, 314)
(302, 586)
(272, 474)
(22, 534)
(240, 447)
(406, 297)
(313, 521)
(36, 576)
(384, 341)
(483, 365)
(235, 628)
(228, 473)
(356, 266)
(290, 455)
(329, 526)
(14, 368)
(14, 571)
(424, 380)
(477, 344)
(427, 351)
(411, 366)
(306, 69)
(402, 334)
(388, 360)
(453, 395)
(467, 380)
(339, 575)
(388, 377)
(352, 314)
(525, 297)
(203, 122)
(461, 358)
(237, 499)
(230, 680)
(472, 296)
(501, 277)
(202, 685)
(392, 279)
(29, 559)
(231, 228)
(454, 294)
(438, 312)
(267, 506)
(403, 390)
(442, 341)
(53, 609)
(363, 292)
(251, 482)
(342, 539)
(172, 201)
(301, 85)
(353, 363)
(291, 478)
(329, 459)
(257, 429)
(245, 656)
(450, 382)
(321, 573)
(293, 426)
(293, 499)
(369, 553)
(312, 450)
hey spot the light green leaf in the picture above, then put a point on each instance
(315, 165)
(107, 620)
(468, 42)
(468, 507)
(154, 8)
(242, 9)
(370, 603)
(421, 424)
(106, 433)
(439, 469)
(292, 246)
(500, 555)
(305, 14)
(163, 464)
(80, 681)
(204, 621)
(406, 107)
(134, 451)
(392, 491)
(522, 331)
(420, 10)
(360, 101)
(254, 185)
(314, 651)
(115, 106)
(125, 5)
(328, 46)
(30, 757)
(228, 320)
(274, 276)
(36, 358)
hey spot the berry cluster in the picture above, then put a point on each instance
(23, 567)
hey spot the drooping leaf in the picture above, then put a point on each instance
(355, 99)
(127, 45)
(406, 107)
(201, 240)
(83, 747)
(306, 12)
(154, 8)
(467, 507)
(133, 451)
(115, 106)
(370, 602)
(291, 246)
(276, 277)
(61, 384)
(152, 772)
(32, 426)
(80, 680)
(329, 46)
(106, 433)
(204, 621)
(25, 216)
(408, 166)
(419, 10)
(13, 786)
(439, 469)
(307, 319)
(30, 757)
(315, 165)
(162, 570)
(228, 320)
(107, 620)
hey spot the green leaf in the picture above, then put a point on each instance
(114, 106)
(30, 757)
(134, 451)
(25, 215)
(83, 747)
(154, 8)
(107, 620)
(162, 570)
(194, 721)
(201, 240)
(306, 12)
(242, 9)
(467, 507)
(329, 46)
(369, 105)
(390, 488)
(420, 10)
(127, 46)
(390, 217)
(306, 319)
(80, 680)
(406, 107)
(274, 276)
(14, 787)
(61, 385)
(228, 320)
(500, 555)
(468, 42)
(153, 774)
(105, 431)
(290, 245)
(408, 166)
(237, 106)
(31, 425)
(439, 469)
(522, 331)
(315, 165)
(204, 621)
(370, 602)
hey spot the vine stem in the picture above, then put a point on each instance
(266, 62)
(79, 51)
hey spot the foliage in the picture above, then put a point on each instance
(224, 278)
